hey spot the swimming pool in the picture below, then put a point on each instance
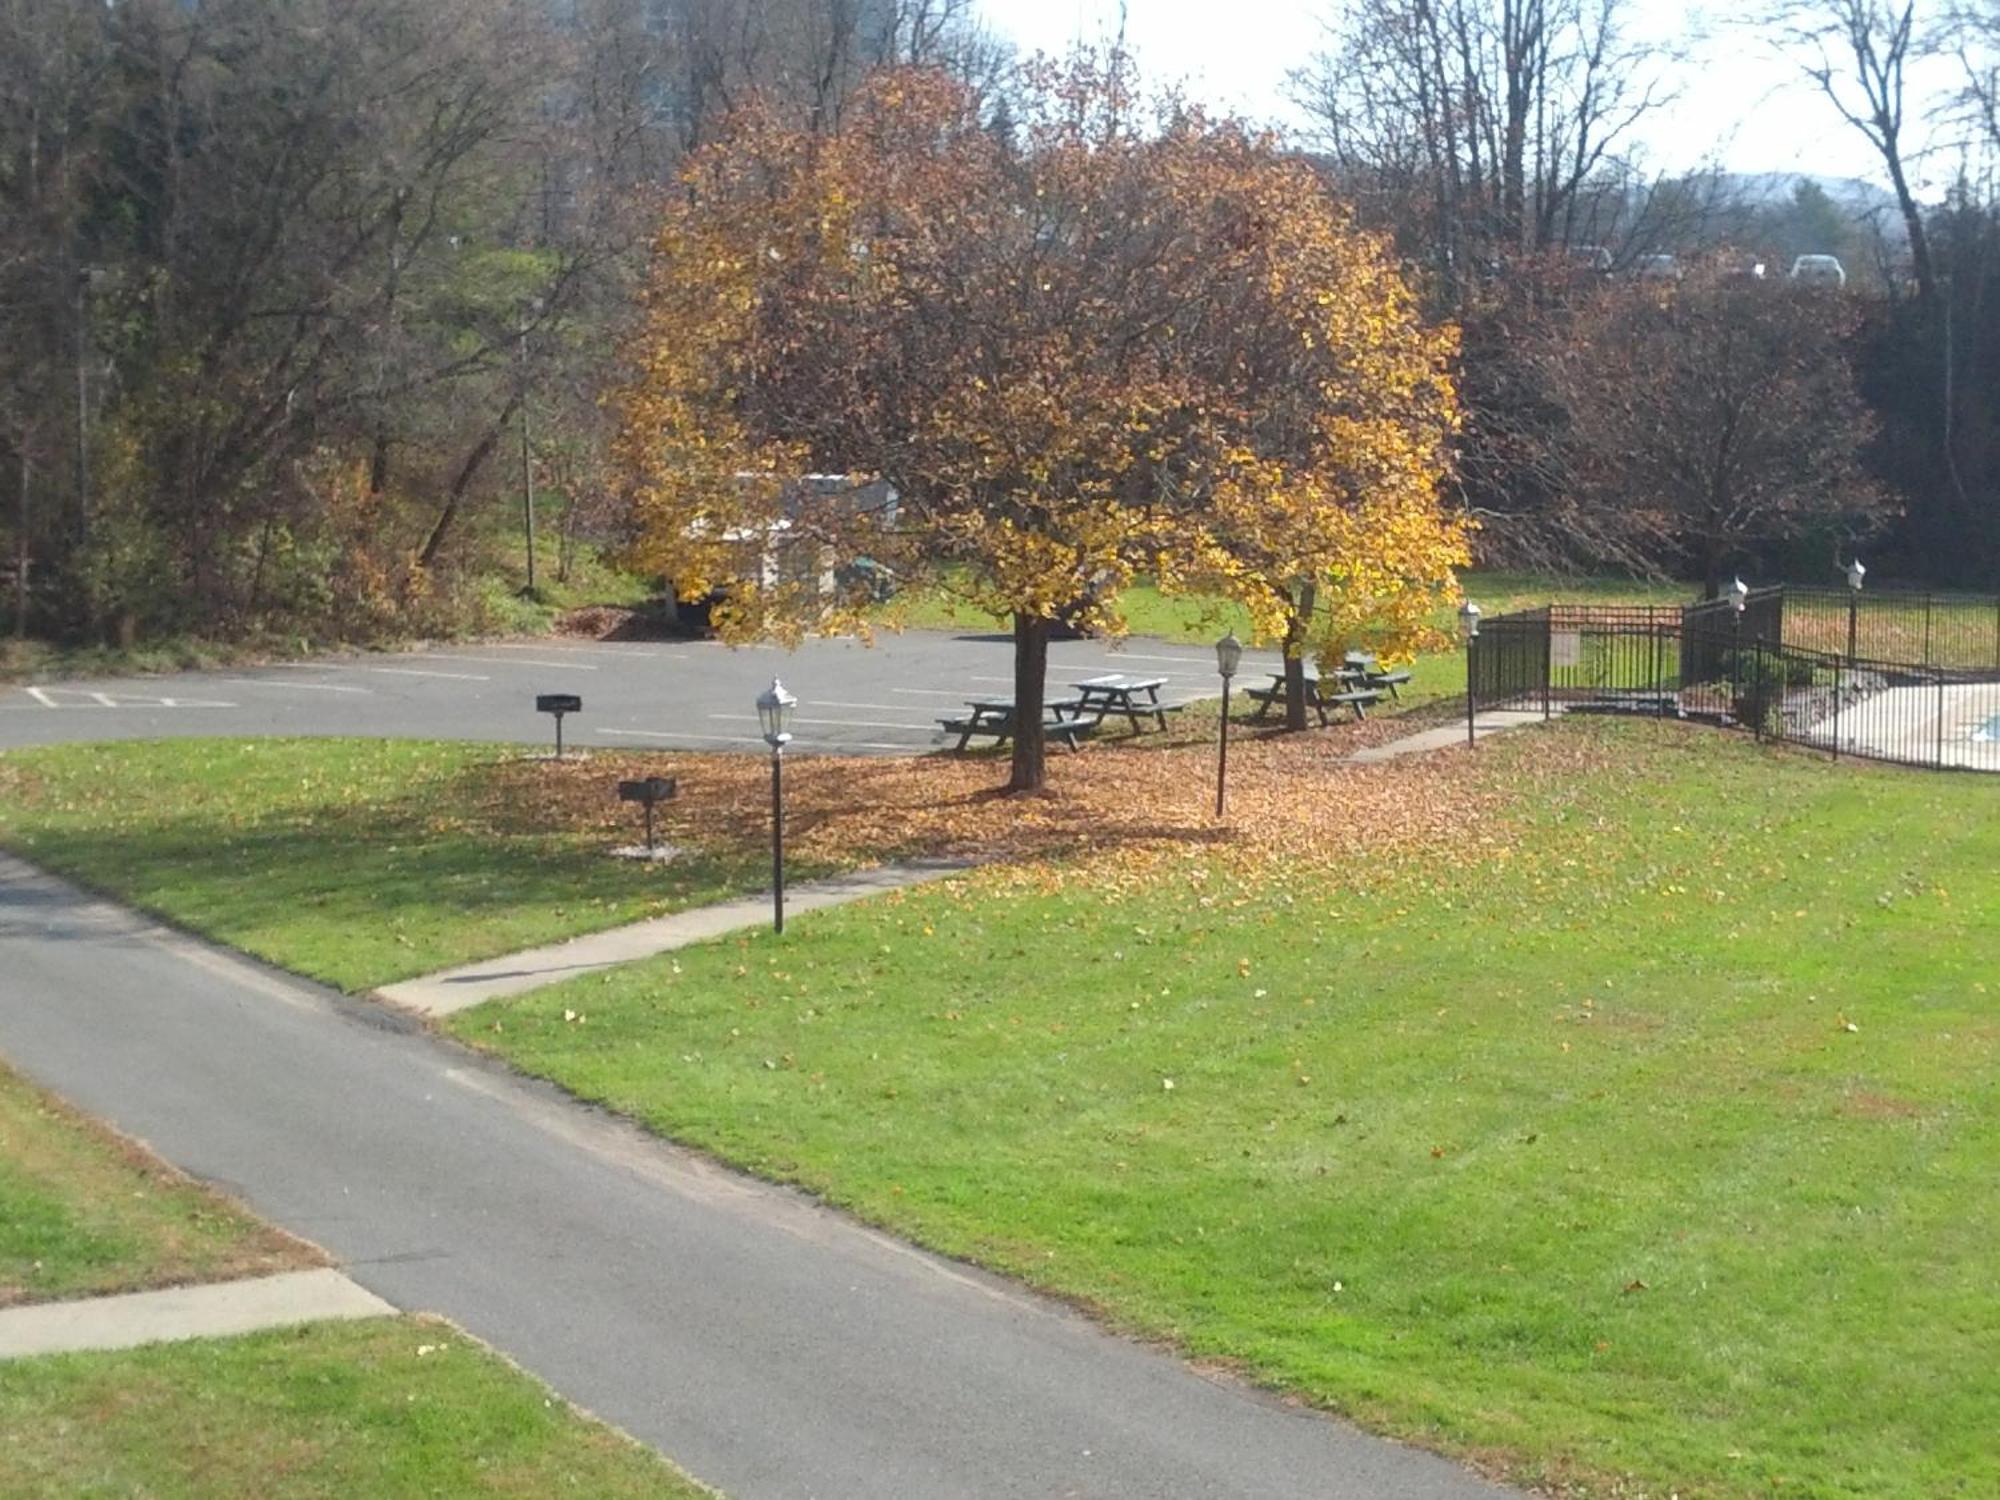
(1989, 731)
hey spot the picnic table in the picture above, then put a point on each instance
(1345, 687)
(1368, 672)
(995, 718)
(1136, 698)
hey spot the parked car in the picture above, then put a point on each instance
(1819, 270)
(1657, 268)
(1590, 258)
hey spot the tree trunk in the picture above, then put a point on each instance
(22, 558)
(1295, 657)
(1031, 668)
(462, 481)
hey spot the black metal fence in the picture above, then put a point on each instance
(1958, 632)
(1779, 668)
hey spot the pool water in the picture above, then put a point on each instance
(1990, 730)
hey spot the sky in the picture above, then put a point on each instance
(1739, 102)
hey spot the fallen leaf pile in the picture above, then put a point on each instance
(1135, 808)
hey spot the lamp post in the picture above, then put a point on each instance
(1855, 573)
(774, 717)
(1739, 595)
(1468, 619)
(1228, 656)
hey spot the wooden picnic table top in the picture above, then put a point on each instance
(1119, 683)
(1340, 674)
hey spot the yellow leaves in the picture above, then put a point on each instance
(1007, 338)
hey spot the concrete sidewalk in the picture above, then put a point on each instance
(461, 988)
(213, 1310)
(1444, 736)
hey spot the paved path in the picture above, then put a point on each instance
(1444, 736)
(461, 988)
(690, 695)
(770, 1346)
(214, 1310)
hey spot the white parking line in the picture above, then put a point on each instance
(751, 739)
(843, 723)
(1186, 661)
(511, 661)
(933, 692)
(90, 698)
(291, 687)
(667, 734)
(584, 648)
(415, 672)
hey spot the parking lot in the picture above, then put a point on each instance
(853, 699)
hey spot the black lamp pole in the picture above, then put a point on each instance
(774, 716)
(1855, 572)
(1228, 654)
(777, 838)
(1468, 616)
(1222, 758)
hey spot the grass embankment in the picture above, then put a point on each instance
(390, 1407)
(355, 862)
(1197, 620)
(84, 1212)
(1643, 1132)
(495, 602)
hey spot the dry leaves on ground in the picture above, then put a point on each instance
(1118, 809)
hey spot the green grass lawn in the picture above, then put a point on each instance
(355, 862)
(1148, 612)
(85, 1212)
(1650, 1140)
(386, 1408)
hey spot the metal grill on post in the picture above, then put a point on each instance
(556, 705)
(649, 792)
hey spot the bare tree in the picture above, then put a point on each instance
(1476, 126)
(1855, 52)
(1716, 416)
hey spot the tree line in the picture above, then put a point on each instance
(280, 282)
(1731, 423)
(297, 300)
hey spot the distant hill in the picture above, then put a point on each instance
(1865, 202)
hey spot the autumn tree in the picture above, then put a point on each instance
(1721, 416)
(1105, 342)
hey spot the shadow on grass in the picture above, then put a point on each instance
(361, 895)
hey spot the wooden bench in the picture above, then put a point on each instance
(994, 718)
(1389, 680)
(1065, 732)
(1358, 699)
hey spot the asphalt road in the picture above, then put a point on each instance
(772, 1347)
(879, 699)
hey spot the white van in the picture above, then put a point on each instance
(1819, 270)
